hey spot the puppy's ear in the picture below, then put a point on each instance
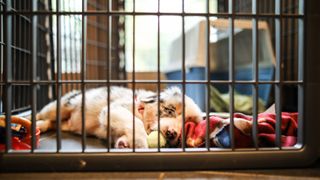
(174, 91)
(172, 95)
(122, 143)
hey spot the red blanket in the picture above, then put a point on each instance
(220, 137)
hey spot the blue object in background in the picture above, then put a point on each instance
(198, 91)
(222, 139)
(195, 91)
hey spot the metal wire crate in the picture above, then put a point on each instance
(69, 58)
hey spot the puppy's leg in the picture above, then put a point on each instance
(47, 116)
(122, 128)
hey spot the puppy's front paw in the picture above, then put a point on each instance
(43, 125)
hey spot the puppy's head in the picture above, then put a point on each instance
(172, 98)
(170, 112)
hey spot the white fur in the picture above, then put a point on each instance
(121, 114)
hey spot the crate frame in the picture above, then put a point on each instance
(301, 155)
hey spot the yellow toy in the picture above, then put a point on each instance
(153, 140)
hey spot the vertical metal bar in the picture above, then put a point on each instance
(72, 71)
(158, 74)
(231, 70)
(183, 141)
(75, 39)
(255, 68)
(208, 76)
(24, 45)
(58, 78)
(83, 73)
(108, 74)
(78, 41)
(33, 78)
(133, 72)
(278, 73)
(301, 102)
(14, 23)
(8, 75)
(286, 64)
(1, 51)
(65, 52)
(51, 58)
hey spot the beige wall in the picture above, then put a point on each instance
(146, 76)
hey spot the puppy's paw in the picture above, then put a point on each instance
(43, 125)
(127, 142)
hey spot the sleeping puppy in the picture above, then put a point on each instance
(171, 117)
(145, 113)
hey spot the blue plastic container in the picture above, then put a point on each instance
(197, 91)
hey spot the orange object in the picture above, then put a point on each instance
(25, 142)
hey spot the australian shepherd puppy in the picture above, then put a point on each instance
(121, 114)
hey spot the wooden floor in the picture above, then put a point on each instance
(305, 173)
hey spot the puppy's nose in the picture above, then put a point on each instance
(171, 134)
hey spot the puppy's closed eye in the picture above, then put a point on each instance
(150, 99)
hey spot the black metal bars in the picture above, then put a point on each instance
(136, 13)
(231, 60)
(208, 75)
(8, 75)
(231, 15)
(34, 76)
(83, 74)
(255, 68)
(158, 160)
(278, 76)
(58, 79)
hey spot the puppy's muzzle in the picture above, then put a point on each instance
(171, 134)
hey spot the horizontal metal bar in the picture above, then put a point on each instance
(15, 12)
(162, 150)
(28, 20)
(21, 49)
(25, 51)
(18, 110)
(157, 160)
(115, 13)
(45, 82)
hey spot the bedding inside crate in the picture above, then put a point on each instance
(219, 133)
